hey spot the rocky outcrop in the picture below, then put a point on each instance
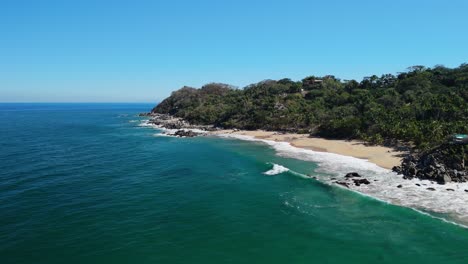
(167, 121)
(185, 133)
(358, 182)
(442, 164)
(174, 123)
(352, 175)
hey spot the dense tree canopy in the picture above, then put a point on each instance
(422, 106)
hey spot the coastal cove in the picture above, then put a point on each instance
(232, 132)
(102, 188)
(446, 202)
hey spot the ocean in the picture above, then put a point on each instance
(87, 183)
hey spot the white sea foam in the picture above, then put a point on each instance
(162, 135)
(384, 182)
(168, 132)
(277, 169)
(146, 123)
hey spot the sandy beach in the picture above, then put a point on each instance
(382, 156)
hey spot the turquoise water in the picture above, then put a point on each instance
(83, 183)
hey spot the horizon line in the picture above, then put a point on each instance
(65, 102)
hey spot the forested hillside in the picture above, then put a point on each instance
(422, 106)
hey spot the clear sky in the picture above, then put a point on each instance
(141, 50)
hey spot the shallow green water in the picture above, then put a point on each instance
(85, 184)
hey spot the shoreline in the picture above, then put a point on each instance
(384, 157)
(336, 158)
(421, 195)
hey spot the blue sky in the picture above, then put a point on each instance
(140, 51)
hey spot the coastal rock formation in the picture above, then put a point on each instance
(352, 175)
(442, 164)
(167, 121)
(185, 133)
(358, 182)
(184, 128)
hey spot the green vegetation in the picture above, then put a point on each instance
(422, 106)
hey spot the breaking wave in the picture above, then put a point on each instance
(277, 169)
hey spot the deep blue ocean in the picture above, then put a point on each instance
(84, 183)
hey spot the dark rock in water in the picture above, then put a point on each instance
(333, 179)
(399, 186)
(430, 189)
(452, 190)
(342, 184)
(466, 190)
(417, 184)
(358, 182)
(352, 174)
(185, 133)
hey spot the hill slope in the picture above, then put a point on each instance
(422, 106)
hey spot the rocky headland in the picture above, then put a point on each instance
(175, 126)
(442, 164)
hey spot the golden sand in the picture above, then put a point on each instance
(382, 156)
